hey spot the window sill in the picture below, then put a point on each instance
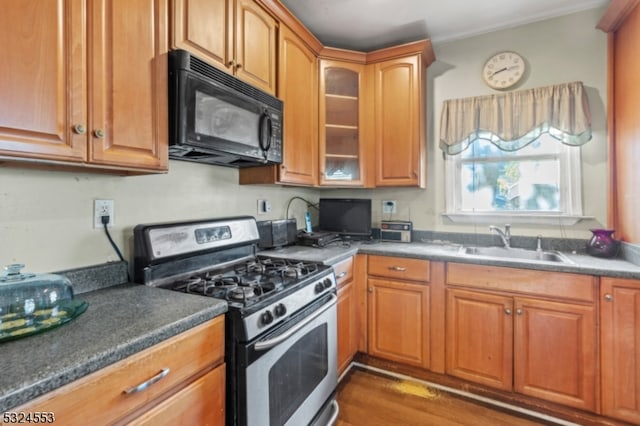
(516, 218)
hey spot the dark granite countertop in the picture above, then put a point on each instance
(582, 263)
(124, 319)
(120, 321)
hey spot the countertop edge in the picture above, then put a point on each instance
(26, 392)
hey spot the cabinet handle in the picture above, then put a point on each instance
(238, 66)
(415, 174)
(608, 297)
(341, 275)
(230, 63)
(397, 268)
(144, 385)
(79, 129)
(370, 289)
(98, 133)
(519, 311)
(507, 311)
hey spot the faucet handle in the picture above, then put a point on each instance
(539, 243)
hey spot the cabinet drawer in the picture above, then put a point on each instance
(344, 271)
(539, 283)
(399, 268)
(200, 403)
(100, 397)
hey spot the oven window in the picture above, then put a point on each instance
(297, 373)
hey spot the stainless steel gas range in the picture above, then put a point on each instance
(281, 344)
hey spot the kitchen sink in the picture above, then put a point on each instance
(503, 253)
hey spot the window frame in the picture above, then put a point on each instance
(570, 194)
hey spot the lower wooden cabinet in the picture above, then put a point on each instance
(347, 313)
(620, 340)
(398, 309)
(347, 337)
(534, 346)
(200, 403)
(173, 371)
(479, 338)
(555, 352)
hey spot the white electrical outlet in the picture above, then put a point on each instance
(264, 206)
(103, 208)
(388, 206)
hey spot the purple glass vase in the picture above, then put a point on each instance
(602, 243)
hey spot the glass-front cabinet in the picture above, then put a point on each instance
(341, 123)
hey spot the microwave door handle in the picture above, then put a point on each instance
(265, 143)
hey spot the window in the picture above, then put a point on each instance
(536, 184)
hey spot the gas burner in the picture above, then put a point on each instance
(244, 293)
(288, 268)
(253, 266)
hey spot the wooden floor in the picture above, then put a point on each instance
(368, 398)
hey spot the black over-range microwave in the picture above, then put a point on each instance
(215, 118)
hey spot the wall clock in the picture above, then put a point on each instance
(503, 70)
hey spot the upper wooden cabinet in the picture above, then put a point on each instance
(369, 117)
(237, 36)
(622, 21)
(342, 137)
(298, 89)
(620, 339)
(400, 114)
(76, 92)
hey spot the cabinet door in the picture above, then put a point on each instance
(341, 112)
(298, 88)
(620, 340)
(200, 403)
(399, 122)
(128, 80)
(555, 352)
(205, 28)
(347, 338)
(399, 321)
(255, 46)
(43, 80)
(479, 338)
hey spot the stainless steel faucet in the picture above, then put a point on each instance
(505, 235)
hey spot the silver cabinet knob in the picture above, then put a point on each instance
(519, 311)
(507, 311)
(98, 133)
(608, 297)
(79, 129)
(370, 289)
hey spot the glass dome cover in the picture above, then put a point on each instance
(31, 303)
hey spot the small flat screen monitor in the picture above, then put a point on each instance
(345, 216)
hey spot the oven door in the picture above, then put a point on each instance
(293, 372)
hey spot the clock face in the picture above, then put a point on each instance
(503, 70)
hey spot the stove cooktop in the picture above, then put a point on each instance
(251, 281)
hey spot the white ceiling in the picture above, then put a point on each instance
(372, 24)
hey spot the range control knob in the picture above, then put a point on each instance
(266, 318)
(327, 282)
(319, 287)
(280, 310)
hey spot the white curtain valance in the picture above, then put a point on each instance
(513, 120)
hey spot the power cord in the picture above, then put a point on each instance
(309, 204)
(105, 222)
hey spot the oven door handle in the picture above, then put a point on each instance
(267, 344)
